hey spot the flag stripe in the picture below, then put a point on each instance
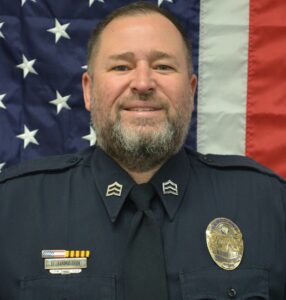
(229, 92)
(266, 114)
(223, 76)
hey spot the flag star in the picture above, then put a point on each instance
(92, 1)
(24, 1)
(2, 105)
(1, 166)
(27, 66)
(61, 102)
(84, 67)
(1, 34)
(161, 1)
(91, 137)
(28, 136)
(59, 30)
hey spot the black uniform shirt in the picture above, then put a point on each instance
(62, 203)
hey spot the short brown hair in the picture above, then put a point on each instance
(136, 8)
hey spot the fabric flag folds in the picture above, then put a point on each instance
(238, 53)
(241, 102)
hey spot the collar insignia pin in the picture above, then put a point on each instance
(225, 243)
(65, 262)
(169, 187)
(114, 189)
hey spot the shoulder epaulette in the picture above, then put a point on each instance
(234, 161)
(45, 164)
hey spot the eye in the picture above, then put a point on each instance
(120, 68)
(164, 68)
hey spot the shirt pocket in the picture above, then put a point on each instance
(242, 284)
(68, 287)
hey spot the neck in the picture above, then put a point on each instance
(142, 177)
(134, 169)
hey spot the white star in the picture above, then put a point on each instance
(59, 30)
(161, 1)
(27, 66)
(92, 1)
(28, 136)
(84, 67)
(1, 34)
(1, 166)
(24, 1)
(2, 105)
(91, 137)
(61, 102)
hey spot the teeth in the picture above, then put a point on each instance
(142, 109)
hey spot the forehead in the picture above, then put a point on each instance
(139, 33)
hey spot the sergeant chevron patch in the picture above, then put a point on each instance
(169, 187)
(114, 189)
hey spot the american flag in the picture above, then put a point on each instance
(239, 52)
(53, 253)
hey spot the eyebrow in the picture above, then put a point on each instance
(154, 55)
(122, 56)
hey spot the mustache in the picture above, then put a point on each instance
(153, 100)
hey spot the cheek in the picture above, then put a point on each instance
(106, 94)
(180, 98)
(103, 108)
(111, 87)
(100, 111)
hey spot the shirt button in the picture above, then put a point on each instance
(231, 292)
(207, 159)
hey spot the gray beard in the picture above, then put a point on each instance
(142, 152)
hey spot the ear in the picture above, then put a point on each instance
(87, 89)
(193, 86)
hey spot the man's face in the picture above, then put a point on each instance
(141, 87)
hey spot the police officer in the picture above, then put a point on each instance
(72, 227)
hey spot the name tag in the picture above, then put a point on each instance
(65, 263)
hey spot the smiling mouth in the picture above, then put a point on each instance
(139, 109)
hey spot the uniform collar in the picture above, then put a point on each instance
(174, 175)
(107, 172)
(175, 172)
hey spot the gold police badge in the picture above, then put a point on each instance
(225, 243)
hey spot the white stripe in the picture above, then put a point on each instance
(223, 76)
(53, 253)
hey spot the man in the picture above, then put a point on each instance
(216, 225)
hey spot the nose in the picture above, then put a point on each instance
(142, 81)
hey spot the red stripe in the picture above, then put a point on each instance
(266, 109)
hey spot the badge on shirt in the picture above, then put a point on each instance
(225, 243)
(65, 262)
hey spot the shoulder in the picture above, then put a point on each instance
(232, 163)
(57, 163)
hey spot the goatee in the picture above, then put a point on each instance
(139, 150)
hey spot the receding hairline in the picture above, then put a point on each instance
(136, 10)
(97, 45)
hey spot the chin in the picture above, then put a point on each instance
(145, 131)
(144, 125)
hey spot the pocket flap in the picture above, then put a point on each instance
(68, 287)
(239, 284)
